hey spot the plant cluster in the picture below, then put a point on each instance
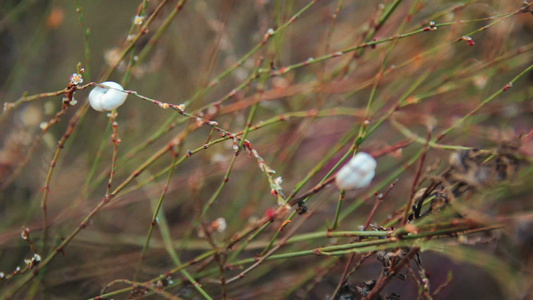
(299, 149)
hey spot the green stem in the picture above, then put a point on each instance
(155, 218)
(483, 103)
(338, 211)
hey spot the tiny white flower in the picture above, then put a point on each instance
(76, 78)
(357, 173)
(138, 20)
(270, 31)
(36, 257)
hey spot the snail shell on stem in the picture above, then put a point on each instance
(357, 173)
(107, 96)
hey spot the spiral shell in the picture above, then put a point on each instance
(357, 173)
(102, 98)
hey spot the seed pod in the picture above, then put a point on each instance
(357, 173)
(102, 98)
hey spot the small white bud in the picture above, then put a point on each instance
(357, 173)
(201, 233)
(219, 224)
(199, 122)
(107, 99)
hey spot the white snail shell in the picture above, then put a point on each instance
(357, 173)
(107, 99)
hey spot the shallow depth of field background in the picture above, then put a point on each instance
(440, 77)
